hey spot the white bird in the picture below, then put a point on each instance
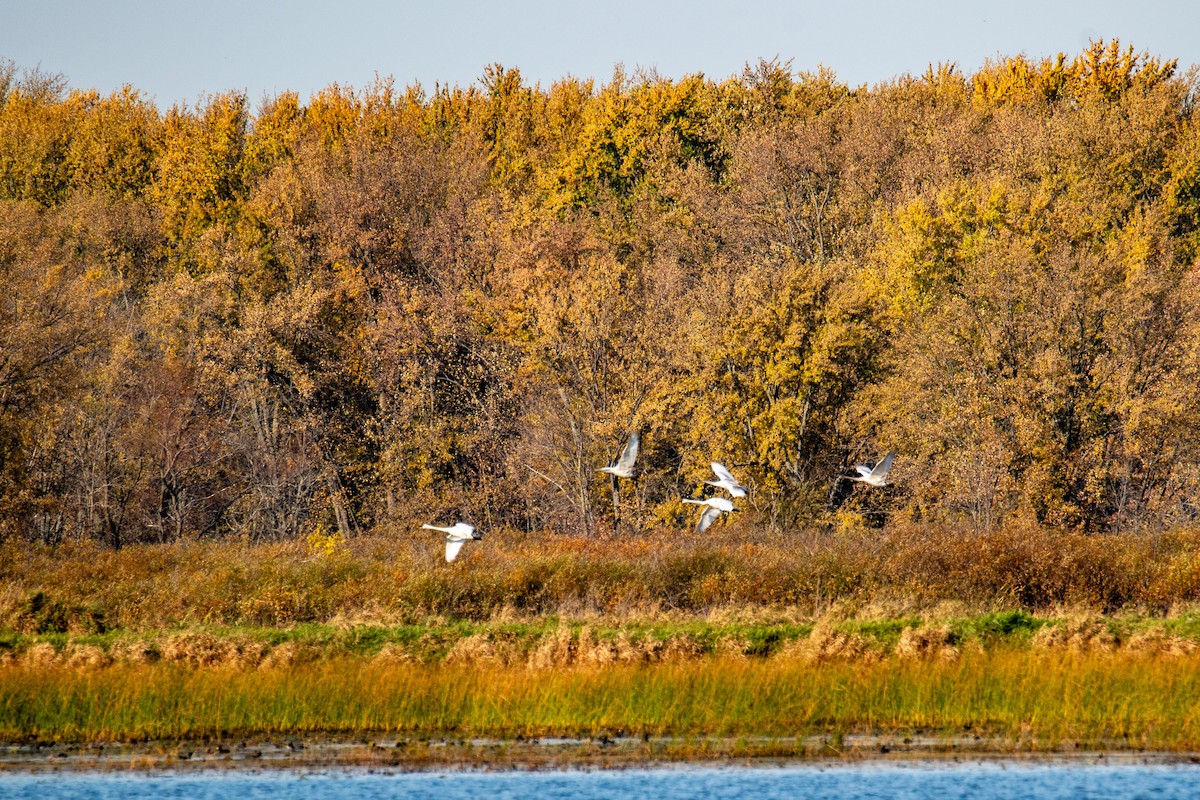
(714, 506)
(624, 466)
(727, 481)
(457, 535)
(874, 476)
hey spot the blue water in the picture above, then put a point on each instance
(977, 781)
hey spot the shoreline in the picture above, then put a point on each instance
(392, 754)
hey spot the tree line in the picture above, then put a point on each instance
(388, 306)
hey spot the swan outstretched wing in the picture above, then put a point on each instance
(628, 453)
(883, 467)
(722, 473)
(706, 518)
(453, 546)
(726, 480)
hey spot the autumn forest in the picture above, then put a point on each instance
(383, 306)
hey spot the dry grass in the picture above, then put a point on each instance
(553, 644)
(830, 643)
(1081, 633)
(81, 589)
(926, 642)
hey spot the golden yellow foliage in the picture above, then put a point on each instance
(370, 305)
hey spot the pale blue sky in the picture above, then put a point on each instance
(177, 51)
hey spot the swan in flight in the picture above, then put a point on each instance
(714, 506)
(876, 476)
(457, 535)
(726, 480)
(624, 466)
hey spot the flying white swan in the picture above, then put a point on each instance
(714, 506)
(876, 476)
(726, 480)
(624, 466)
(457, 535)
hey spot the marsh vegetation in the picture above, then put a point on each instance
(685, 638)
